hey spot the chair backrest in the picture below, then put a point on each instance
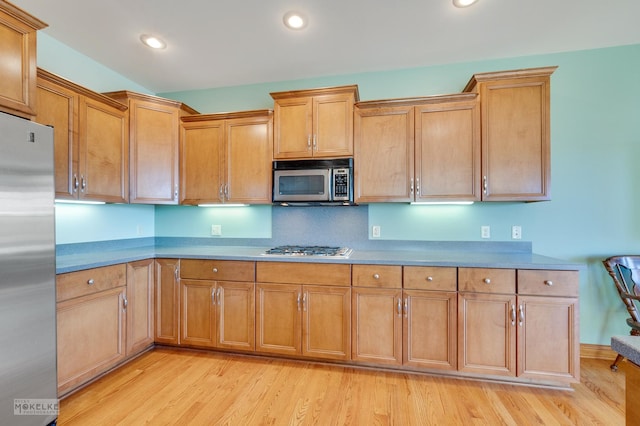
(625, 272)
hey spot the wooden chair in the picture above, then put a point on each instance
(625, 272)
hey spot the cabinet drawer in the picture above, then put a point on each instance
(217, 270)
(303, 273)
(487, 280)
(378, 276)
(82, 283)
(430, 278)
(548, 283)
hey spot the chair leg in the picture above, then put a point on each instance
(614, 366)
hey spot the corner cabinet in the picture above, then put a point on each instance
(140, 306)
(154, 129)
(18, 34)
(91, 147)
(417, 149)
(226, 158)
(515, 133)
(167, 301)
(314, 123)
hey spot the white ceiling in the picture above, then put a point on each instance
(217, 43)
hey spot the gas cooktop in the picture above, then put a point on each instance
(320, 251)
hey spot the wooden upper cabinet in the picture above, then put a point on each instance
(515, 133)
(226, 158)
(417, 149)
(314, 123)
(154, 125)
(18, 60)
(91, 147)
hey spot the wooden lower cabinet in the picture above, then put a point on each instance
(167, 301)
(140, 305)
(91, 324)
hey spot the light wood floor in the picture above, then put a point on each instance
(174, 387)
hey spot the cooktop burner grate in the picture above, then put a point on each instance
(293, 250)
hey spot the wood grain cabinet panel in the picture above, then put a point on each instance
(18, 65)
(417, 149)
(140, 305)
(167, 301)
(515, 133)
(154, 125)
(226, 158)
(314, 123)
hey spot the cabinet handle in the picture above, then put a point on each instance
(175, 274)
(308, 142)
(90, 282)
(304, 302)
(75, 182)
(549, 283)
(417, 185)
(399, 307)
(520, 315)
(487, 280)
(376, 276)
(125, 303)
(513, 314)
(406, 307)
(83, 184)
(298, 300)
(411, 187)
(315, 143)
(213, 296)
(215, 270)
(484, 184)
(226, 191)
(429, 278)
(218, 295)
(221, 192)
(175, 192)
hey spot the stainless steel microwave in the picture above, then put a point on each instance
(313, 182)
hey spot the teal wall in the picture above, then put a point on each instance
(595, 133)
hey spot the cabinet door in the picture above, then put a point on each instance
(198, 313)
(293, 129)
(487, 333)
(154, 153)
(104, 152)
(447, 151)
(548, 341)
(91, 336)
(236, 315)
(167, 301)
(18, 64)
(333, 125)
(376, 326)
(326, 322)
(278, 316)
(140, 315)
(384, 154)
(430, 329)
(515, 139)
(201, 162)
(248, 160)
(58, 107)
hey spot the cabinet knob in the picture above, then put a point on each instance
(376, 276)
(215, 269)
(549, 282)
(90, 282)
(429, 278)
(487, 281)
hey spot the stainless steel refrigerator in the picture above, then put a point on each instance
(28, 388)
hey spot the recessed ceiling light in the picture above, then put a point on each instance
(294, 20)
(152, 41)
(463, 3)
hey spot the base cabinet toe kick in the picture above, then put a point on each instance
(507, 325)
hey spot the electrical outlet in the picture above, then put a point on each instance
(216, 230)
(375, 231)
(485, 231)
(516, 232)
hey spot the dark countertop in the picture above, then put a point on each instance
(87, 258)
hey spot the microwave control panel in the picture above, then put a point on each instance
(341, 184)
